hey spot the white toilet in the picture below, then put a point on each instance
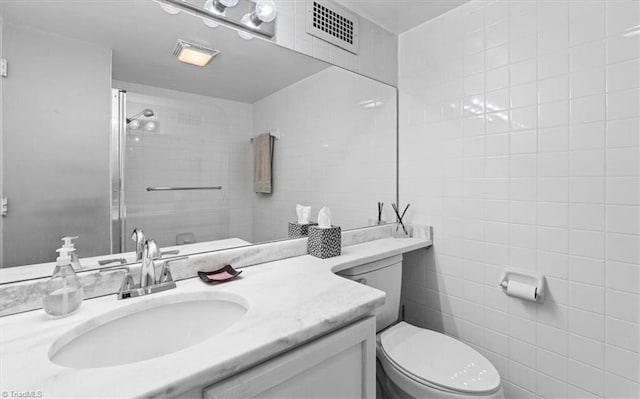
(415, 362)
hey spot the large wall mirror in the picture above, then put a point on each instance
(97, 113)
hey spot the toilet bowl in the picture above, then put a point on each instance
(418, 363)
(414, 362)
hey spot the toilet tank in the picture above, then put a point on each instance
(385, 275)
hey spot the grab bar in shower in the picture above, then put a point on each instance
(183, 188)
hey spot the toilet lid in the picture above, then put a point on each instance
(439, 360)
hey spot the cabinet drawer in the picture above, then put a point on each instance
(338, 365)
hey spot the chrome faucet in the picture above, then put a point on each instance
(150, 281)
(138, 237)
(150, 253)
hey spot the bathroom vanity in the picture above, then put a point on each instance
(304, 331)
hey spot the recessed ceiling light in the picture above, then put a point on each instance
(194, 54)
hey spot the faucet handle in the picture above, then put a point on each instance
(113, 260)
(165, 273)
(127, 280)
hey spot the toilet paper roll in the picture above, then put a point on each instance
(524, 291)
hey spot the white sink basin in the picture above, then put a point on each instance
(146, 330)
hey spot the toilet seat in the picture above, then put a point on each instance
(436, 361)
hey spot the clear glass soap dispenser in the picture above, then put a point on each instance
(68, 243)
(63, 293)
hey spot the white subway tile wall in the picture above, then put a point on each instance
(336, 139)
(519, 134)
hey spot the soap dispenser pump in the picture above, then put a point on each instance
(63, 292)
(68, 243)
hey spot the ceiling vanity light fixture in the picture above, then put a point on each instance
(194, 54)
(219, 6)
(251, 17)
(263, 11)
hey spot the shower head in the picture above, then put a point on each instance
(145, 112)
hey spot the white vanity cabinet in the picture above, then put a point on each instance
(339, 365)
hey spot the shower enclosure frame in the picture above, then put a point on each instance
(116, 155)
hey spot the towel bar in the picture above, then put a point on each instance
(183, 188)
(275, 134)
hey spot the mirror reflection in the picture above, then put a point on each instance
(105, 130)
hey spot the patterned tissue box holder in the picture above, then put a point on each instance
(297, 230)
(324, 243)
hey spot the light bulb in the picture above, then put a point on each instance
(249, 21)
(219, 6)
(211, 7)
(210, 23)
(169, 9)
(266, 10)
(246, 20)
(229, 3)
(134, 124)
(149, 126)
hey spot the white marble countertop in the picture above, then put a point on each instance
(38, 270)
(289, 302)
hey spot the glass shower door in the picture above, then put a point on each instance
(175, 169)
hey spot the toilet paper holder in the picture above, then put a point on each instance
(534, 283)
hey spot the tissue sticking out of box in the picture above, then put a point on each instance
(304, 213)
(324, 218)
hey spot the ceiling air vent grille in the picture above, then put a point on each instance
(332, 23)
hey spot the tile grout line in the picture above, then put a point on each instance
(606, 226)
(569, 196)
(536, 202)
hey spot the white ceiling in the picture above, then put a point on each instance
(399, 16)
(142, 38)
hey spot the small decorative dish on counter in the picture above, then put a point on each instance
(219, 276)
